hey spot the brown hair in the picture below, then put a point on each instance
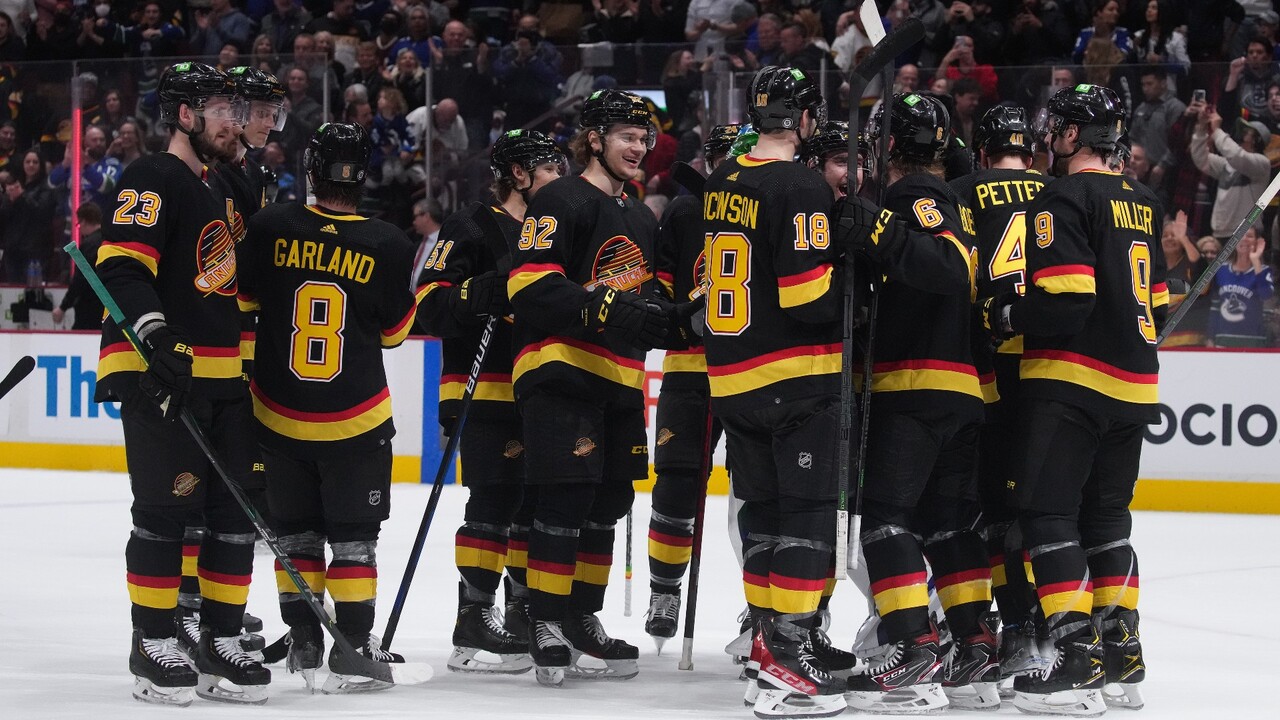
(580, 147)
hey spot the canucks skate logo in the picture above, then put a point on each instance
(664, 436)
(512, 450)
(216, 260)
(620, 265)
(700, 281)
(185, 484)
(583, 447)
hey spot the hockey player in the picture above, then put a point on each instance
(682, 442)
(332, 290)
(773, 365)
(464, 283)
(168, 260)
(1094, 302)
(245, 180)
(998, 195)
(828, 153)
(925, 409)
(585, 314)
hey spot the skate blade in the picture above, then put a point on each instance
(337, 684)
(613, 670)
(974, 696)
(776, 702)
(910, 700)
(1076, 703)
(146, 691)
(752, 693)
(472, 660)
(1123, 696)
(308, 677)
(220, 689)
(740, 647)
(550, 676)
(658, 642)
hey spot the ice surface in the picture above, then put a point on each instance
(1210, 584)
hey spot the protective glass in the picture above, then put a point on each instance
(274, 113)
(236, 110)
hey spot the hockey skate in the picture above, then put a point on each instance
(482, 645)
(905, 682)
(971, 672)
(839, 663)
(161, 673)
(549, 651)
(228, 673)
(370, 647)
(1022, 650)
(515, 619)
(662, 617)
(306, 652)
(740, 647)
(189, 633)
(1072, 685)
(587, 638)
(1122, 658)
(792, 682)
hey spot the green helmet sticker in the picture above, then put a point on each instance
(514, 133)
(595, 95)
(239, 70)
(182, 67)
(320, 130)
(797, 74)
(912, 100)
(1083, 87)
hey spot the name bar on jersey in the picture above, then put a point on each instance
(312, 255)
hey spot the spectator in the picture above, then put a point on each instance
(390, 132)
(1182, 262)
(959, 63)
(1105, 15)
(528, 74)
(800, 52)
(1138, 166)
(360, 112)
(27, 210)
(461, 72)
(308, 57)
(369, 70)
(98, 171)
(97, 38)
(409, 78)
(1160, 41)
(284, 22)
(1102, 66)
(965, 94)
(446, 132)
(851, 37)
(127, 145)
(419, 38)
(12, 48)
(54, 36)
(217, 25)
(680, 79)
(390, 29)
(348, 30)
(154, 39)
(709, 23)
(8, 143)
(765, 39)
(907, 79)
(427, 218)
(80, 297)
(275, 160)
(615, 21)
(228, 57)
(262, 54)
(1241, 170)
(974, 20)
(326, 47)
(1249, 77)
(305, 113)
(1239, 290)
(1153, 118)
(1039, 31)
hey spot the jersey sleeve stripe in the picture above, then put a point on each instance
(395, 335)
(422, 292)
(247, 303)
(774, 367)
(796, 290)
(959, 246)
(581, 355)
(301, 425)
(1159, 295)
(528, 274)
(926, 375)
(145, 254)
(690, 361)
(1090, 373)
(1066, 279)
(212, 363)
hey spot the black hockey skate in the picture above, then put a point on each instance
(1072, 685)
(971, 672)
(479, 630)
(740, 647)
(369, 646)
(549, 651)
(587, 637)
(189, 632)
(306, 652)
(791, 680)
(161, 673)
(1024, 648)
(906, 681)
(515, 619)
(228, 673)
(840, 663)
(1122, 659)
(663, 617)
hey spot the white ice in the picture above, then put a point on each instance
(1210, 584)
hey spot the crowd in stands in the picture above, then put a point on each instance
(436, 81)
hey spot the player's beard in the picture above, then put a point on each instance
(215, 148)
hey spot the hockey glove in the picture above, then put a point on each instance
(480, 296)
(626, 316)
(168, 377)
(995, 316)
(864, 227)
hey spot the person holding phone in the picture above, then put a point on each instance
(959, 63)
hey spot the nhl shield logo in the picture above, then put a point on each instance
(375, 497)
(185, 484)
(805, 461)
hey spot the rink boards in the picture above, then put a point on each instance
(1216, 447)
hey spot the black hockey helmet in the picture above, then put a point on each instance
(777, 96)
(830, 139)
(604, 108)
(1004, 129)
(191, 84)
(257, 85)
(920, 127)
(1095, 109)
(339, 152)
(526, 148)
(720, 140)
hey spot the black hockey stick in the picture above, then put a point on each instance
(347, 660)
(20, 371)
(695, 561)
(910, 32)
(1224, 256)
(688, 178)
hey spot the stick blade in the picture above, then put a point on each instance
(906, 34)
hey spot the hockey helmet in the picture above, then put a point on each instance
(1094, 109)
(604, 108)
(256, 86)
(191, 84)
(526, 148)
(777, 96)
(830, 139)
(720, 140)
(920, 126)
(1004, 129)
(339, 152)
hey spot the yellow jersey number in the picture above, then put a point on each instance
(728, 277)
(319, 316)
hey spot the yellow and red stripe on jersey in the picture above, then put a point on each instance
(551, 577)
(141, 252)
(517, 553)
(693, 360)
(970, 258)
(1012, 346)
(529, 273)
(668, 282)
(339, 425)
(247, 303)
(901, 592)
(474, 552)
(489, 386)
(583, 356)
(670, 549)
(805, 287)
(423, 291)
(224, 587)
(248, 344)
(1065, 279)
(769, 368)
(795, 595)
(999, 578)
(1159, 295)
(151, 591)
(987, 384)
(1118, 591)
(352, 583)
(312, 572)
(920, 374)
(593, 568)
(756, 589)
(394, 335)
(1090, 373)
(1070, 596)
(212, 363)
(963, 587)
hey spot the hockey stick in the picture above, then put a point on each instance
(695, 561)
(1224, 256)
(20, 371)
(688, 178)
(910, 32)
(626, 583)
(348, 660)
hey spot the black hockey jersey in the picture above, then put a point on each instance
(1096, 295)
(331, 292)
(773, 301)
(575, 238)
(923, 358)
(681, 270)
(168, 251)
(463, 251)
(242, 182)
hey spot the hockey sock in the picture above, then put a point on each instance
(830, 588)
(759, 524)
(1064, 587)
(518, 544)
(1114, 567)
(225, 568)
(480, 551)
(154, 567)
(802, 559)
(962, 578)
(675, 501)
(306, 552)
(591, 570)
(352, 580)
(189, 589)
(552, 565)
(899, 582)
